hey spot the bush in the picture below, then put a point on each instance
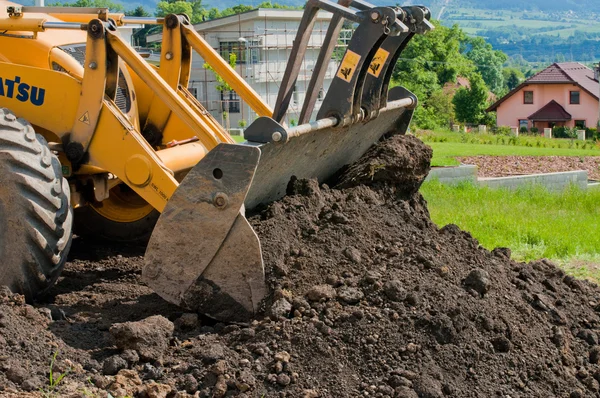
(564, 132)
(523, 130)
(591, 134)
(502, 130)
(534, 130)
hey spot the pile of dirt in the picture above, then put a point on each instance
(367, 298)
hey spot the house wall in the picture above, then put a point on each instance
(513, 109)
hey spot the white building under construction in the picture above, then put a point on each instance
(261, 39)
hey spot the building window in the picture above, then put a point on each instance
(231, 101)
(242, 50)
(528, 97)
(575, 98)
(193, 91)
(580, 124)
(523, 124)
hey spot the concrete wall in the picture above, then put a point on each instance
(552, 181)
(453, 175)
(513, 109)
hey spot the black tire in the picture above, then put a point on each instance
(89, 224)
(35, 211)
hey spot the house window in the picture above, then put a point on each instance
(528, 97)
(523, 124)
(580, 124)
(231, 101)
(575, 98)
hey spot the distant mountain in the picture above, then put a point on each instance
(516, 5)
(535, 5)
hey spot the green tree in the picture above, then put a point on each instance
(487, 61)
(139, 11)
(222, 84)
(114, 7)
(437, 111)
(238, 9)
(193, 8)
(438, 51)
(140, 35)
(512, 77)
(426, 65)
(470, 103)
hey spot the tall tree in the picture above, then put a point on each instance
(139, 11)
(438, 51)
(487, 61)
(470, 103)
(426, 65)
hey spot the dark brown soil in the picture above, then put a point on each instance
(368, 298)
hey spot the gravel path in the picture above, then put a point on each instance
(502, 166)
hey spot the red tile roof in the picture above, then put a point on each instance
(560, 73)
(551, 112)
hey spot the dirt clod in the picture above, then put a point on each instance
(321, 292)
(149, 337)
(478, 280)
(112, 365)
(280, 309)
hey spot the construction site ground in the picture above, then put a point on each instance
(368, 297)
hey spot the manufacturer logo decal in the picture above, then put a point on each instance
(14, 88)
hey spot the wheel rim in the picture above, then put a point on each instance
(123, 205)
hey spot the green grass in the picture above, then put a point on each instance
(532, 222)
(449, 145)
(54, 379)
(238, 138)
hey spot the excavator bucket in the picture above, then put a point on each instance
(203, 254)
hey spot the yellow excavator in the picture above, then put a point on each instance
(96, 141)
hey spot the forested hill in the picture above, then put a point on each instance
(535, 5)
(549, 6)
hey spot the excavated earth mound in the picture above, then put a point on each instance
(368, 297)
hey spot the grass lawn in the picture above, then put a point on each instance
(448, 145)
(238, 138)
(532, 222)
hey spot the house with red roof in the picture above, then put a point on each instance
(563, 94)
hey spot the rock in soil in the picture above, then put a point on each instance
(378, 301)
(149, 337)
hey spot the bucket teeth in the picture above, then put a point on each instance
(203, 255)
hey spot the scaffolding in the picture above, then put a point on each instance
(262, 56)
